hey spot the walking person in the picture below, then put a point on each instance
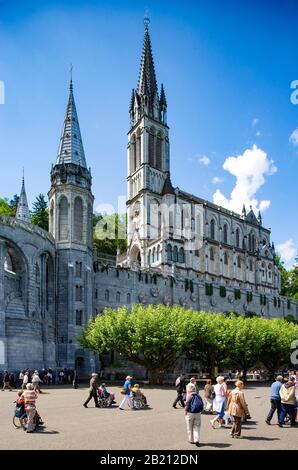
(127, 393)
(30, 397)
(181, 389)
(191, 386)
(275, 399)
(25, 380)
(21, 377)
(75, 379)
(193, 408)
(12, 382)
(36, 380)
(6, 382)
(92, 391)
(208, 391)
(220, 390)
(288, 402)
(237, 408)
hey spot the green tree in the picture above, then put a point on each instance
(277, 336)
(206, 335)
(110, 233)
(150, 336)
(5, 208)
(14, 203)
(244, 339)
(284, 276)
(40, 213)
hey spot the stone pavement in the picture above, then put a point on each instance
(68, 425)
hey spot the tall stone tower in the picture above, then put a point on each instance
(148, 163)
(70, 222)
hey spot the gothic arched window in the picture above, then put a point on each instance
(158, 153)
(212, 229)
(175, 254)
(157, 253)
(211, 254)
(151, 149)
(169, 252)
(149, 257)
(238, 262)
(63, 218)
(181, 257)
(78, 219)
(153, 255)
(237, 238)
(128, 299)
(117, 296)
(107, 295)
(226, 258)
(225, 233)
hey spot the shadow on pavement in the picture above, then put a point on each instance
(256, 438)
(220, 445)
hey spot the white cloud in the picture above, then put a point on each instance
(294, 137)
(217, 180)
(288, 252)
(250, 170)
(204, 160)
(258, 134)
(255, 122)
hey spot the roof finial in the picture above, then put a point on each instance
(70, 71)
(146, 20)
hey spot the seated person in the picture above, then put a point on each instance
(137, 393)
(103, 393)
(20, 403)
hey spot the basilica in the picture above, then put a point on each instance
(181, 248)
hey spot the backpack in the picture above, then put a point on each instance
(196, 404)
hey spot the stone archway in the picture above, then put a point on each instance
(135, 257)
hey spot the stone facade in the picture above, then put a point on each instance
(181, 249)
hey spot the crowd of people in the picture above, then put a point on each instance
(230, 407)
(45, 376)
(227, 407)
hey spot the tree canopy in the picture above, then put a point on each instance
(155, 336)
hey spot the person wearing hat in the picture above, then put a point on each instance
(275, 399)
(36, 381)
(30, 397)
(92, 391)
(127, 393)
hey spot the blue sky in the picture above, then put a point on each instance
(226, 67)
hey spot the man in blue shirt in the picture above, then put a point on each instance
(275, 399)
(127, 397)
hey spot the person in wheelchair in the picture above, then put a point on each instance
(107, 397)
(138, 398)
(20, 411)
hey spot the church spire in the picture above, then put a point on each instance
(147, 85)
(22, 207)
(71, 148)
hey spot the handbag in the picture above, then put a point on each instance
(123, 391)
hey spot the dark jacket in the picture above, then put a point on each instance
(181, 387)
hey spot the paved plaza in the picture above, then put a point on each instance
(68, 425)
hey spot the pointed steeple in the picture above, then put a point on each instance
(162, 99)
(71, 148)
(22, 207)
(167, 187)
(243, 211)
(260, 218)
(147, 80)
